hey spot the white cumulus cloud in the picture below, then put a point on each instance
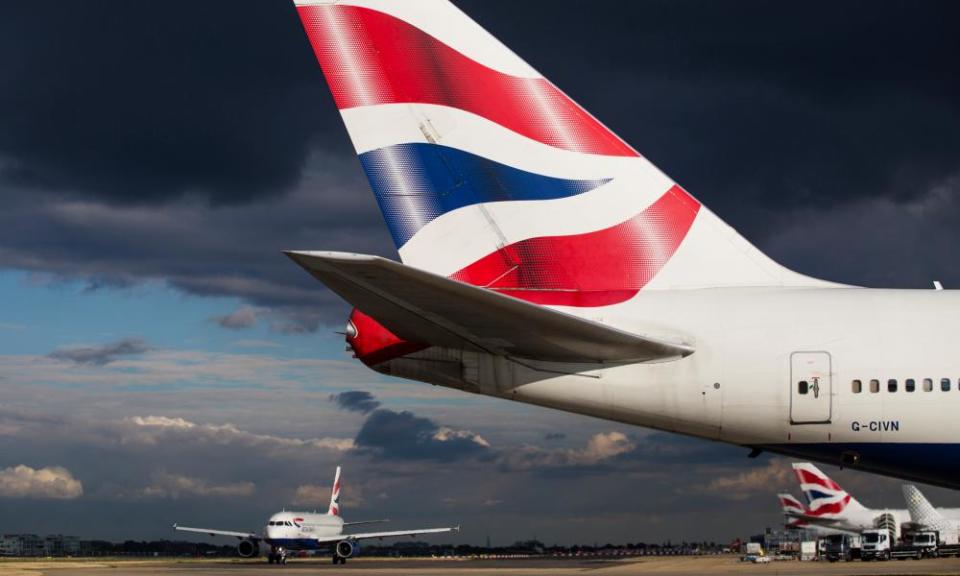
(153, 429)
(51, 482)
(446, 434)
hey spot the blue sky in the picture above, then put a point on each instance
(50, 313)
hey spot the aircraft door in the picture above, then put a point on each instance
(810, 388)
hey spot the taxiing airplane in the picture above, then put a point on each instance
(544, 260)
(295, 531)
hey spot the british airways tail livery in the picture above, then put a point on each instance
(829, 505)
(544, 260)
(334, 509)
(795, 511)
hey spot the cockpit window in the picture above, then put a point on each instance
(270, 523)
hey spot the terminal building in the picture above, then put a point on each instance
(33, 545)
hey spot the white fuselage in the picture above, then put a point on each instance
(295, 530)
(741, 385)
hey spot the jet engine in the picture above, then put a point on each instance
(248, 549)
(345, 549)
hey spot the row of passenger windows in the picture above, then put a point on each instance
(909, 385)
(278, 523)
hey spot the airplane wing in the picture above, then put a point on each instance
(419, 306)
(369, 535)
(212, 532)
(365, 522)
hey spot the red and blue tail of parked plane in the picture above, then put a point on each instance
(487, 173)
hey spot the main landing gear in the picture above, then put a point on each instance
(337, 559)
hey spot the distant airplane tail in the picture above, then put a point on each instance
(793, 509)
(825, 497)
(334, 509)
(489, 174)
(922, 511)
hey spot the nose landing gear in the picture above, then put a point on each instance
(277, 555)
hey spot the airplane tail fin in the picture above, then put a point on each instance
(922, 511)
(790, 505)
(824, 496)
(487, 173)
(792, 508)
(334, 509)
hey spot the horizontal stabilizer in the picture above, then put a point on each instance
(420, 306)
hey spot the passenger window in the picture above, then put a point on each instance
(909, 385)
(928, 384)
(892, 385)
(856, 386)
(945, 384)
(803, 387)
(874, 386)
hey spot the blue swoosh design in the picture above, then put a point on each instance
(417, 183)
(816, 495)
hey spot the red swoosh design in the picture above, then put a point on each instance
(592, 269)
(832, 508)
(369, 57)
(806, 477)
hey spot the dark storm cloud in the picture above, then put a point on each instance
(145, 102)
(103, 354)
(356, 401)
(406, 436)
(192, 143)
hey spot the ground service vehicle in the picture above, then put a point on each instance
(844, 547)
(917, 545)
(875, 544)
